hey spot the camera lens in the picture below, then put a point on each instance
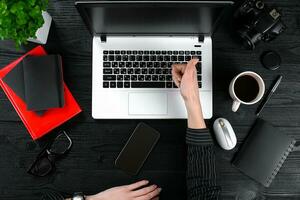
(260, 5)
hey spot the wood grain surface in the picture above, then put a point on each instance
(89, 166)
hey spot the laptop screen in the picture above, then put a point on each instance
(151, 18)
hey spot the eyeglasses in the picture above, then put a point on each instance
(45, 161)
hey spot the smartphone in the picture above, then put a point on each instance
(137, 149)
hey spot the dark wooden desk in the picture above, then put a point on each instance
(89, 167)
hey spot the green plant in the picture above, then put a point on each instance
(20, 19)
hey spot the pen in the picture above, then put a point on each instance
(266, 100)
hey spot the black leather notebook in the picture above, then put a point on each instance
(43, 80)
(263, 153)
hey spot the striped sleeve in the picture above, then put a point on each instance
(201, 171)
(52, 195)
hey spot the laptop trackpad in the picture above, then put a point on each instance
(148, 103)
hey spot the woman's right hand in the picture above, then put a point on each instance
(135, 191)
(185, 78)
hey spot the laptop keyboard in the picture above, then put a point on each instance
(144, 69)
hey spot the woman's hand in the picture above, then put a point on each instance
(135, 191)
(185, 78)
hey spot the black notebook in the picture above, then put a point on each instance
(263, 153)
(43, 80)
(38, 81)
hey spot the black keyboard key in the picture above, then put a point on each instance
(112, 84)
(154, 77)
(193, 52)
(118, 57)
(139, 58)
(125, 58)
(131, 58)
(169, 78)
(111, 58)
(105, 84)
(137, 71)
(156, 64)
(174, 85)
(142, 64)
(117, 52)
(121, 64)
(123, 52)
(199, 77)
(173, 58)
(111, 52)
(106, 64)
(129, 52)
(163, 65)
(126, 84)
(198, 67)
(140, 52)
(135, 64)
(115, 64)
(153, 58)
(165, 71)
(123, 71)
(161, 77)
(146, 52)
(109, 77)
(158, 71)
(141, 77)
(149, 64)
(188, 58)
(169, 85)
(175, 52)
(167, 58)
(152, 52)
(107, 71)
(144, 71)
(105, 58)
(133, 77)
(169, 52)
(120, 77)
(199, 57)
(119, 84)
(148, 78)
(130, 71)
(160, 58)
(147, 84)
(187, 52)
(158, 52)
(127, 77)
(164, 52)
(180, 58)
(134, 52)
(151, 71)
(170, 64)
(181, 52)
(116, 71)
(199, 84)
(146, 58)
(105, 52)
(128, 64)
(198, 52)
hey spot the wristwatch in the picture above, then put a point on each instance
(78, 196)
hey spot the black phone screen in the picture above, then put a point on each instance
(137, 149)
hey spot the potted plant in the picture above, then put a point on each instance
(24, 20)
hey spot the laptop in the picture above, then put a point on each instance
(135, 44)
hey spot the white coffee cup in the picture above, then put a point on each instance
(236, 100)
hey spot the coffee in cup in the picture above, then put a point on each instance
(246, 88)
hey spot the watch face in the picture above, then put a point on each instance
(78, 197)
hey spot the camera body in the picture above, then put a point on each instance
(256, 22)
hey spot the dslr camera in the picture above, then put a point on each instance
(255, 22)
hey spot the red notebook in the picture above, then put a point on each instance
(37, 125)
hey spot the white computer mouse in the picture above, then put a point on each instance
(224, 134)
